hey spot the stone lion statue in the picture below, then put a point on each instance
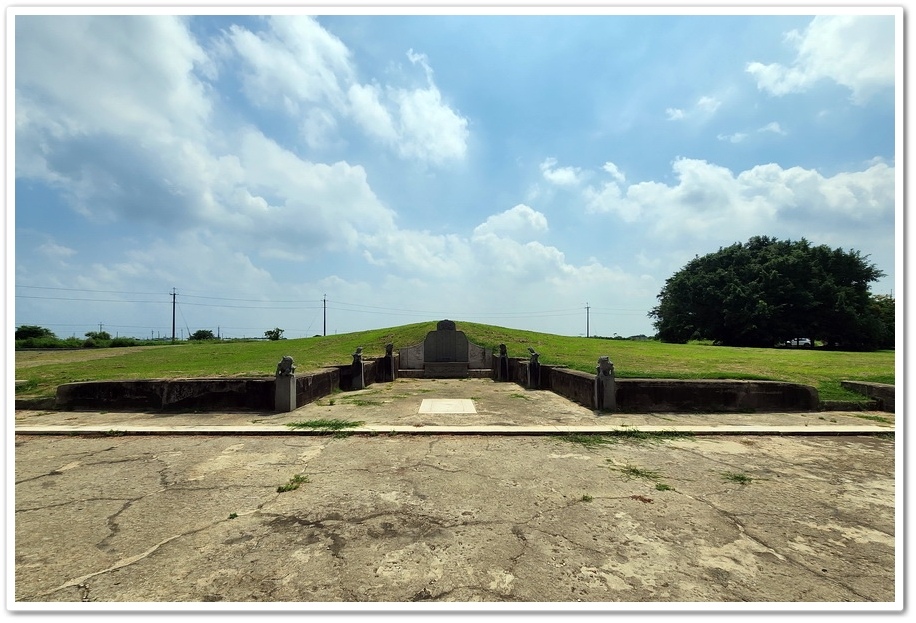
(605, 366)
(286, 367)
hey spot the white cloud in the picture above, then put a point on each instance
(675, 114)
(369, 112)
(561, 176)
(736, 137)
(708, 104)
(609, 196)
(54, 250)
(429, 130)
(296, 66)
(519, 223)
(856, 52)
(615, 173)
(292, 60)
(703, 109)
(709, 200)
(773, 127)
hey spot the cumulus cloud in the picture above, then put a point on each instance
(708, 199)
(296, 66)
(561, 176)
(609, 197)
(856, 52)
(519, 223)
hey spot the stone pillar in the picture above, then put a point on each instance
(534, 370)
(357, 370)
(389, 369)
(285, 386)
(502, 364)
(605, 386)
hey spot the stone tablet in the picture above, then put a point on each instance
(447, 405)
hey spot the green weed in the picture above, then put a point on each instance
(587, 498)
(330, 425)
(293, 483)
(875, 418)
(741, 479)
(630, 472)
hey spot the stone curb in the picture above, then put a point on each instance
(451, 430)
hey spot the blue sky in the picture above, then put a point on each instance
(506, 169)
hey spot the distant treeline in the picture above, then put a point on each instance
(36, 337)
(634, 338)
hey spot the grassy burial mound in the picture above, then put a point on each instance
(43, 371)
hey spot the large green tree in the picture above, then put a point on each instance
(766, 291)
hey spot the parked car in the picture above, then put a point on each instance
(798, 342)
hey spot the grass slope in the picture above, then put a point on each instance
(824, 370)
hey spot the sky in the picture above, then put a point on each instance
(336, 173)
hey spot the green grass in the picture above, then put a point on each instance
(632, 359)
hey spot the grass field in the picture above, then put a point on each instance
(45, 370)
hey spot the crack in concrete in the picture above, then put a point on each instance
(769, 548)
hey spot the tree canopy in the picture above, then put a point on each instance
(767, 291)
(27, 331)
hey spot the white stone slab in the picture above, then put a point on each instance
(447, 405)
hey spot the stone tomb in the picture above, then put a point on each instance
(445, 353)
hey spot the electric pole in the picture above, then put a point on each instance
(173, 314)
(325, 301)
(586, 319)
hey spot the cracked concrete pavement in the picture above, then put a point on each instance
(446, 518)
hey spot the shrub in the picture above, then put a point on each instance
(123, 341)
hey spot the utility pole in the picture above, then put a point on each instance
(325, 300)
(586, 318)
(173, 314)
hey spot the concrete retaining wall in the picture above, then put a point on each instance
(169, 394)
(882, 393)
(632, 395)
(672, 395)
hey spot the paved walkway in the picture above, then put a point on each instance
(415, 406)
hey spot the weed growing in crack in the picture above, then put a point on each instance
(233, 515)
(876, 418)
(630, 472)
(357, 402)
(625, 434)
(588, 440)
(587, 498)
(741, 479)
(660, 486)
(325, 424)
(293, 483)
